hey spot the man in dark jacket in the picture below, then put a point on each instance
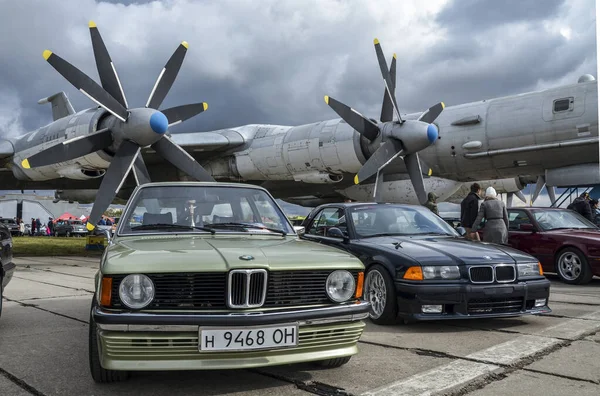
(469, 208)
(581, 205)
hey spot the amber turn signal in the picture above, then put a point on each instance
(413, 273)
(359, 285)
(540, 267)
(105, 292)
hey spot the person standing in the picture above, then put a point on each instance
(431, 204)
(469, 208)
(494, 212)
(33, 223)
(21, 228)
(581, 205)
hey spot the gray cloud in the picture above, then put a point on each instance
(272, 61)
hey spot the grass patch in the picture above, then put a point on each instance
(51, 246)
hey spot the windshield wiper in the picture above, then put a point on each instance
(384, 234)
(432, 233)
(249, 225)
(171, 226)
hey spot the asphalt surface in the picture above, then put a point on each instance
(44, 349)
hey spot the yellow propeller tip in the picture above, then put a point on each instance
(46, 54)
(394, 55)
(92, 24)
(443, 105)
(326, 99)
(185, 44)
(90, 226)
(355, 179)
(429, 172)
(375, 41)
(205, 106)
(25, 163)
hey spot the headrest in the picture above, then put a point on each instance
(157, 218)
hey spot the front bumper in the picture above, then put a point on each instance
(136, 341)
(466, 301)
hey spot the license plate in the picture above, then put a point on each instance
(247, 338)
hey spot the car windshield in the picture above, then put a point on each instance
(376, 220)
(561, 219)
(201, 209)
(8, 221)
(76, 222)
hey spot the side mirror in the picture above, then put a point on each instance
(300, 230)
(461, 231)
(335, 232)
(526, 227)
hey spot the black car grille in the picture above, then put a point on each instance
(481, 274)
(494, 305)
(208, 291)
(488, 273)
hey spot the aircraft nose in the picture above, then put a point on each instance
(159, 123)
(432, 133)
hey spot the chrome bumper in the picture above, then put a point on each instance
(133, 321)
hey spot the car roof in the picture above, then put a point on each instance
(358, 204)
(203, 184)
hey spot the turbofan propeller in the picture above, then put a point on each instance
(129, 131)
(400, 138)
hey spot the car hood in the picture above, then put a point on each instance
(221, 253)
(428, 250)
(574, 233)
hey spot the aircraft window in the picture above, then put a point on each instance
(563, 104)
(517, 218)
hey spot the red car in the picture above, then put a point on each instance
(564, 241)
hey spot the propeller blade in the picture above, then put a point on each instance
(541, 182)
(413, 166)
(378, 188)
(113, 179)
(140, 172)
(380, 158)
(509, 200)
(432, 113)
(387, 109)
(178, 114)
(386, 77)
(521, 196)
(359, 122)
(106, 68)
(70, 149)
(167, 77)
(86, 85)
(181, 159)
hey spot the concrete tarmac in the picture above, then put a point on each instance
(44, 349)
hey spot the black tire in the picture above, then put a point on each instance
(565, 274)
(333, 363)
(389, 312)
(100, 374)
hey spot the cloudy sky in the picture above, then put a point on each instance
(271, 61)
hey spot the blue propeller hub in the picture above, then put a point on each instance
(159, 123)
(432, 133)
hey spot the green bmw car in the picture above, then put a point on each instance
(212, 276)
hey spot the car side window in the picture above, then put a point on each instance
(327, 218)
(516, 218)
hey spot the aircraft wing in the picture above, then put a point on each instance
(199, 144)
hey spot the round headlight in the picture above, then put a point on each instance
(340, 285)
(136, 291)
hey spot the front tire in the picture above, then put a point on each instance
(334, 363)
(572, 267)
(380, 292)
(100, 374)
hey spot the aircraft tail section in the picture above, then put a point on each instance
(61, 106)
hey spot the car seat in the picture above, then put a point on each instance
(157, 218)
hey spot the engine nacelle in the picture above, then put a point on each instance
(402, 191)
(81, 196)
(574, 176)
(318, 177)
(77, 173)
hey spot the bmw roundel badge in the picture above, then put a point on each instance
(246, 257)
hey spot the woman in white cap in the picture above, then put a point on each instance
(494, 212)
